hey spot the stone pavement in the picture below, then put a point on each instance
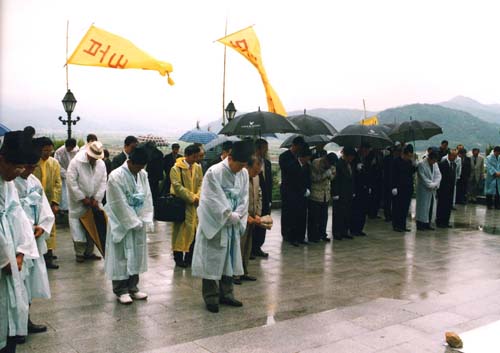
(387, 292)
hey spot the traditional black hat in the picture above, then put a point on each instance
(17, 147)
(242, 151)
(332, 158)
(140, 155)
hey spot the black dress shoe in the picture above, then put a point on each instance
(348, 236)
(213, 308)
(34, 328)
(252, 257)
(314, 240)
(237, 280)
(399, 230)
(338, 238)
(362, 234)
(248, 278)
(180, 264)
(20, 339)
(326, 239)
(92, 257)
(51, 265)
(295, 243)
(261, 253)
(303, 242)
(230, 302)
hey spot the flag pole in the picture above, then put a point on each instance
(67, 35)
(224, 82)
(364, 107)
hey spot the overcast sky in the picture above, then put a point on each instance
(316, 53)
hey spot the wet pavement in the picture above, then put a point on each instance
(389, 292)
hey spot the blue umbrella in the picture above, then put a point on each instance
(198, 136)
(3, 129)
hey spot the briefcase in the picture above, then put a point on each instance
(171, 208)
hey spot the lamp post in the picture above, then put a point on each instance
(230, 113)
(69, 102)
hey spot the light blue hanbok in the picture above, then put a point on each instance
(217, 249)
(37, 208)
(491, 186)
(428, 181)
(130, 210)
(16, 236)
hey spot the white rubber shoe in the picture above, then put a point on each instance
(139, 296)
(125, 299)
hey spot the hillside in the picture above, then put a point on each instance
(458, 126)
(487, 112)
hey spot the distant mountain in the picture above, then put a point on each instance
(458, 126)
(488, 112)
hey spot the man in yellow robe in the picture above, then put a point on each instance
(48, 172)
(186, 177)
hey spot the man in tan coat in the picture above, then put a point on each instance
(254, 167)
(48, 171)
(186, 177)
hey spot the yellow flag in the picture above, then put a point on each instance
(373, 120)
(101, 48)
(247, 44)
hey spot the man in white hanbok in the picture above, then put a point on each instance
(429, 178)
(64, 155)
(37, 208)
(130, 210)
(86, 180)
(16, 241)
(222, 214)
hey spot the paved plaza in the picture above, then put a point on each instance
(387, 292)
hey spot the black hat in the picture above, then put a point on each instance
(242, 151)
(140, 155)
(17, 147)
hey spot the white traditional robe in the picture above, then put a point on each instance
(37, 208)
(64, 157)
(428, 180)
(217, 246)
(83, 180)
(130, 210)
(16, 236)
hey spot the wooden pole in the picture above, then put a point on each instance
(224, 82)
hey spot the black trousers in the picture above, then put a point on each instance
(462, 186)
(359, 211)
(444, 206)
(317, 218)
(387, 202)
(155, 192)
(341, 218)
(375, 199)
(11, 345)
(258, 239)
(293, 216)
(400, 207)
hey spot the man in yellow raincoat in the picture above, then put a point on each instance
(48, 172)
(186, 177)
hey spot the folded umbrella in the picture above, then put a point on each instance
(95, 223)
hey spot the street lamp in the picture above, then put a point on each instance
(69, 102)
(230, 112)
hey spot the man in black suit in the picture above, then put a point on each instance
(375, 165)
(168, 163)
(448, 169)
(266, 186)
(402, 188)
(128, 146)
(291, 184)
(155, 172)
(362, 190)
(394, 152)
(226, 150)
(342, 194)
(463, 182)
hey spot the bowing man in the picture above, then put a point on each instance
(222, 214)
(16, 241)
(428, 181)
(37, 208)
(402, 188)
(446, 191)
(130, 209)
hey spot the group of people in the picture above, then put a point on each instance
(227, 207)
(364, 180)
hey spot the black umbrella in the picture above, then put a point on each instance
(414, 130)
(313, 140)
(257, 124)
(311, 125)
(354, 135)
